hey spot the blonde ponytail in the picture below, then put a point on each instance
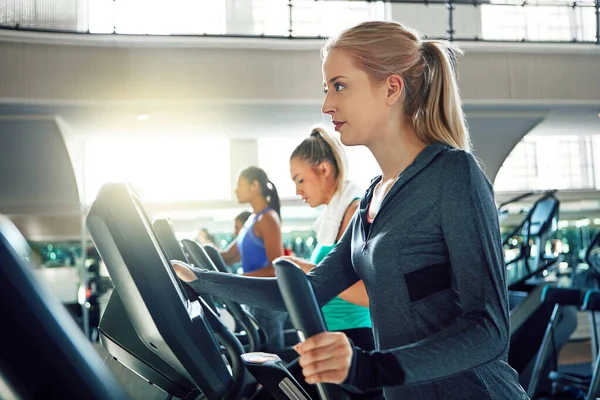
(438, 114)
(432, 101)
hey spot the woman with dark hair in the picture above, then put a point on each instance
(239, 222)
(259, 243)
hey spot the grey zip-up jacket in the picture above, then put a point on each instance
(433, 267)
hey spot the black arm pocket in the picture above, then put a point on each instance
(428, 280)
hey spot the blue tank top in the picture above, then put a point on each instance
(251, 247)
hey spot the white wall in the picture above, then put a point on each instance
(84, 68)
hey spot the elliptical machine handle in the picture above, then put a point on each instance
(299, 299)
(301, 303)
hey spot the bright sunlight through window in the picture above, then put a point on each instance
(173, 169)
(157, 17)
(564, 162)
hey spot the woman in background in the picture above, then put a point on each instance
(318, 167)
(239, 222)
(258, 243)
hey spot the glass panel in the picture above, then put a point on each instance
(519, 171)
(548, 162)
(538, 23)
(101, 16)
(585, 29)
(549, 23)
(175, 17)
(66, 15)
(503, 23)
(539, 20)
(196, 16)
(271, 17)
(430, 20)
(327, 18)
(16, 12)
(467, 21)
(566, 3)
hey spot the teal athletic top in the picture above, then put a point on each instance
(340, 314)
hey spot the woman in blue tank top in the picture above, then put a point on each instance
(259, 243)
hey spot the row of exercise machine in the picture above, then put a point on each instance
(543, 314)
(176, 342)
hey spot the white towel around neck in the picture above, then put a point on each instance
(328, 224)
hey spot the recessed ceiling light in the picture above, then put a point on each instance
(143, 117)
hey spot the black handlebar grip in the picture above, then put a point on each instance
(301, 303)
(299, 299)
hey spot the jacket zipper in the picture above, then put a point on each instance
(381, 207)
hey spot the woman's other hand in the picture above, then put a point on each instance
(303, 264)
(325, 357)
(183, 272)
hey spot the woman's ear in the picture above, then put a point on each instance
(255, 186)
(325, 169)
(395, 87)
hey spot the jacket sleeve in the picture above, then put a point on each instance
(333, 275)
(471, 232)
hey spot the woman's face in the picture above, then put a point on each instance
(245, 190)
(311, 182)
(358, 109)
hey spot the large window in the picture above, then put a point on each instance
(519, 171)
(248, 17)
(267, 17)
(326, 18)
(533, 20)
(170, 169)
(541, 20)
(158, 17)
(549, 162)
(70, 15)
(308, 17)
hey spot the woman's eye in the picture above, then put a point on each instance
(338, 87)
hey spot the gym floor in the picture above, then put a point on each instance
(579, 349)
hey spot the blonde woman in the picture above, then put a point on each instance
(425, 240)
